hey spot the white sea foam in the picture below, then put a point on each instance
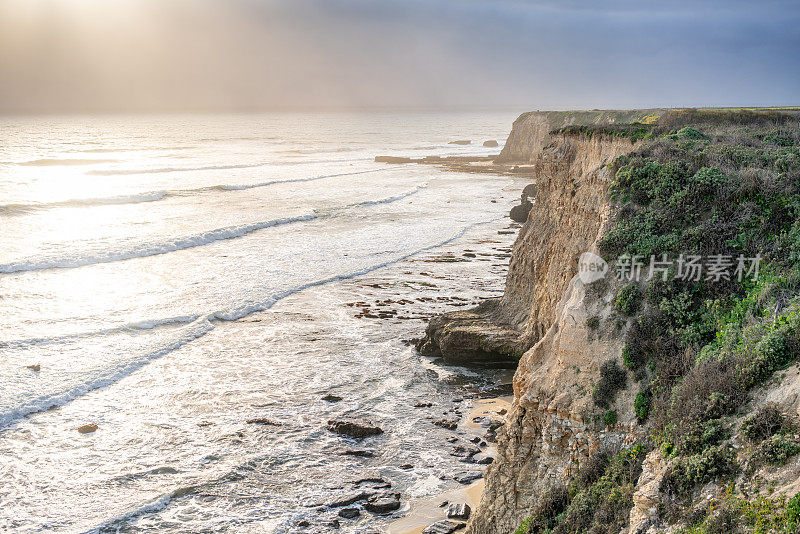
(199, 327)
(141, 250)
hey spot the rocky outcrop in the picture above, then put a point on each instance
(472, 337)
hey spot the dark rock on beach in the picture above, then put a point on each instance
(361, 453)
(490, 144)
(349, 513)
(354, 429)
(446, 423)
(262, 421)
(465, 477)
(443, 527)
(520, 212)
(458, 511)
(352, 498)
(383, 504)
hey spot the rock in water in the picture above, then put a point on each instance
(465, 477)
(35, 367)
(349, 513)
(443, 527)
(520, 213)
(262, 421)
(392, 159)
(87, 429)
(388, 502)
(354, 429)
(331, 398)
(460, 142)
(491, 143)
(458, 511)
(347, 500)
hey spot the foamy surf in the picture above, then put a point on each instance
(196, 329)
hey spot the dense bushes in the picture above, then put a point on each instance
(612, 379)
(709, 183)
(688, 471)
(598, 499)
(628, 299)
(760, 515)
(762, 423)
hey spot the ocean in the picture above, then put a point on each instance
(168, 278)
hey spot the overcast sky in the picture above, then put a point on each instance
(185, 55)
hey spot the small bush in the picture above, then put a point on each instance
(687, 132)
(777, 450)
(593, 322)
(628, 299)
(610, 418)
(765, 422)
(612, 379)
(688, 471)
(547, 510)
(770, 354)
(641, 405)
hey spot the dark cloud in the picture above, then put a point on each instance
(132, 55)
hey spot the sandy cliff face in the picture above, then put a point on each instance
(549, 432)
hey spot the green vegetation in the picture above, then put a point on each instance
(612, 379)
(628, 299)
(641, 405)
(725, 186)
(610, 418)
(593, 322)
(597, 500)
(759, 515)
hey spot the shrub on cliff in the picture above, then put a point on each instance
(604, 504)
(688, 471)
(628, 299)
(641, 405)
(762, 423)
(612, 379)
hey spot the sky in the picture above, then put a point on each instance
(64, 56)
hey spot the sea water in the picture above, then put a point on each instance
(168, 278)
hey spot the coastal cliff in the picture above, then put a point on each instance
(547, 433)
(578, 452)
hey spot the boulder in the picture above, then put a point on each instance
(262, 421)
(331, 398)
(354, 429)
(490, 144)
(460, 142)
(347, 500)
(458, 511)
(87, 429)
(383, 504)
(520, 213)
(349, 513)
(443, 527)
(466, 477)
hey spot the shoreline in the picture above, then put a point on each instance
(428, 510)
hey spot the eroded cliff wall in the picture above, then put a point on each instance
(549, 432)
